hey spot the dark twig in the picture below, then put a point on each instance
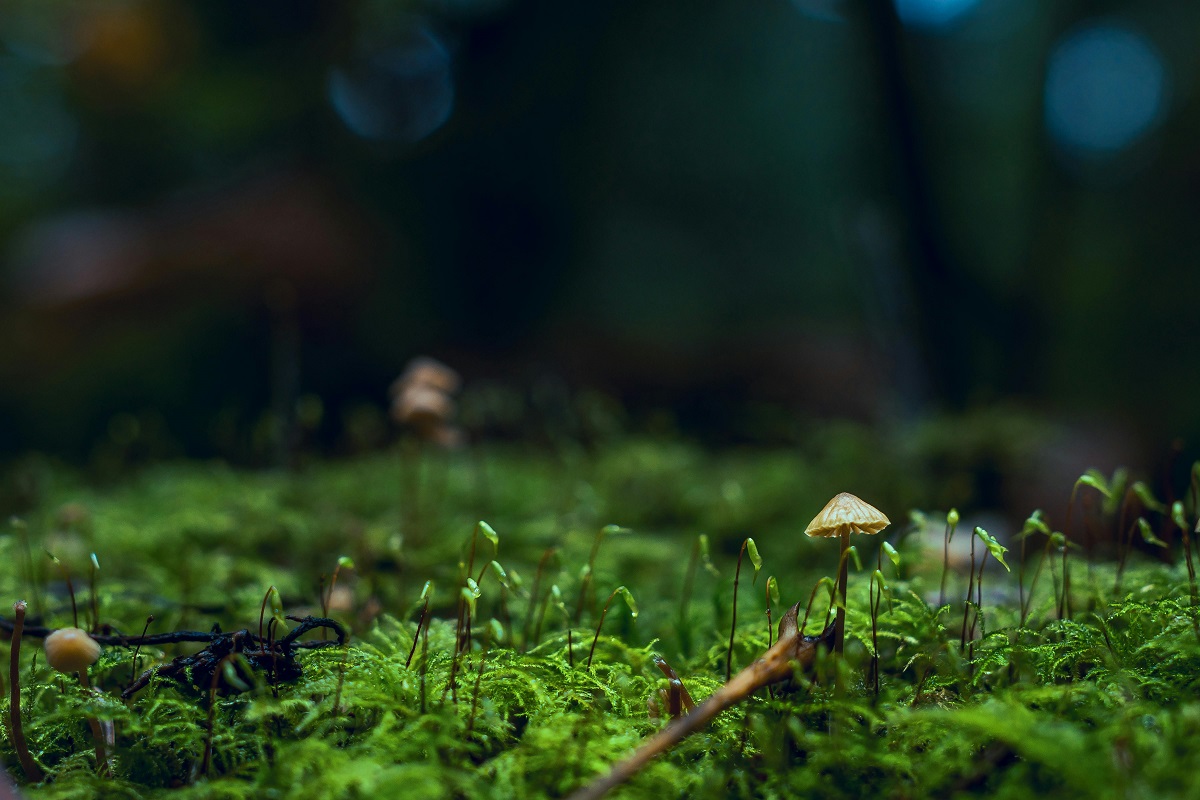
(176, 637)
(275, 657)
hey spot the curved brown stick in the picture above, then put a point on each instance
(774, 665)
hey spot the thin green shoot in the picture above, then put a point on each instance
(876, 589)
(699, 554)
(93, 568)
(344, 562)
(1034, 524)
(947, 537)
(426, 594)
(962, 638)
(1178, 517)
(772, 592)
(137, 651)
(549, 553)
(827, 582)
(586, 577)
(748, 546)
(66, 576)
(627, 596)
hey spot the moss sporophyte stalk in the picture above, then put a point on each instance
(213, 660)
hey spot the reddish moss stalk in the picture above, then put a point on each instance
(737, 574)
(32, 771)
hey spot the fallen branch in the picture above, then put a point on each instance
(775, 665)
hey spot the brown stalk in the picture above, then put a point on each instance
(839, 641)
(737, 574)
(776, 664)
(102, 733)
(32, 771)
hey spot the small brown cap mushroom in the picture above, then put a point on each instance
(422, 406)
(425, 371)
(71, 650)
(847, 514)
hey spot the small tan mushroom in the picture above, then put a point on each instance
(841, 516)
(422, 398)
(425, 371)
(71, 650)
(423, 407)
(847, 514)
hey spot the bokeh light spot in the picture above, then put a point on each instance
(37, 131)
(1106, 86)
(399, 94)
(823, 10)
(932, 13)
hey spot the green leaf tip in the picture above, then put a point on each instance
(627, 596)
(755, 558)
(489, 533)
(1143, 493)
(877, 575)
(994, 547)
(1178, 516)
(1035, 524)
(852, 552)
(501, 575)
(1147, 534)
(705, 558)
(275, 603)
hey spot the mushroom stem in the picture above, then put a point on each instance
(99, 733)
(839, 624)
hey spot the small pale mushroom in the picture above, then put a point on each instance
(423, 407)
(423, 399)
(841, 516)
(73, 650)
(426, 371)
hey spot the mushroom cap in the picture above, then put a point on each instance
(426, 371)
(847, 514)
(71, 650)
(422, 406)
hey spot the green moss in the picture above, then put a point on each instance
(1103, 704)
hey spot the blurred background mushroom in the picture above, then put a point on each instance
(221, 226)
(423, 401)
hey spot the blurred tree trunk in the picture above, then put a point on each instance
(950, 311)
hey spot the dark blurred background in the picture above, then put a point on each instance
(730, 215)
